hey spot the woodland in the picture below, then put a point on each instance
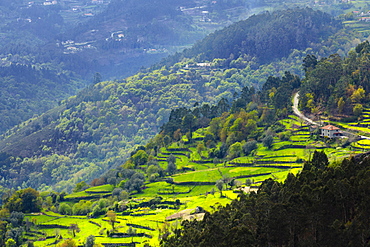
(95, 130)
(201, 148)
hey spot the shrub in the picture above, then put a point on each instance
(65, 209)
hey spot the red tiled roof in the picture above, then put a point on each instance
(330, 127)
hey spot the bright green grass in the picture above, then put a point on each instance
(209, 203)
(351, 127)
(278, 159)
(364, 142)
(279, 176)
(101, 188)
(245, 159)
(358, 145)
(41, 218)
(299, 152)
(210, 175)
(77, 194)
(300, 138)
(281, 144)
(152, 189)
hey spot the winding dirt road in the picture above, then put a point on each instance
(301, 116)
(298, 113)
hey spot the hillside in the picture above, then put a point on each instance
(203, 158)
(96, 129)
(320, 206)
(80, 38)
(216, 153)
(265, 37)
(117, 38)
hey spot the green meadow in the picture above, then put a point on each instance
(178, 196)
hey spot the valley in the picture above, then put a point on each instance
(206, 147)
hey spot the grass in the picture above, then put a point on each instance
(102, 188)
(281, 157)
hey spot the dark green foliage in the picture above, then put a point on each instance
(26, 91)
(318, 207)
(135, 182)
(26, 200)
(171, 166)
(309, 62)
(90, 241)
(337, 84)
(277, 91)
(97, 129)
(268, 141)
(265, 36)
(16, 219)
(319, 161)
(248, 147)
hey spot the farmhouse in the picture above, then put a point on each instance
(330, 131)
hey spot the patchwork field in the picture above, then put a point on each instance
(143, 217)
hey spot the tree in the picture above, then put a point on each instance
(171, 166)
(90, 241)
(139, 158)
(10, 243)
(341, 104)
(135, 182)
(358, 95)
(268, 141)
(319, 161)
(26, 201)
(74, 229)
(68, 243)
(357, 110)
(111, 218)
(235, 150)
(81, 186)
(188, 122)
(309, 63)
(220, 185)
(97, 78)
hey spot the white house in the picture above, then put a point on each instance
(330, 131)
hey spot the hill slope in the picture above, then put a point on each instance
(94, 131)
(320, 206)
(80, 38)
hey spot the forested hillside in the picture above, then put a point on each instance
(203, 157)
(339, 86)
(266, 37)
(64, 44)
(325, 206)
(95, 130)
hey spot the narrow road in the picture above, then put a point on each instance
(301, 116)
(298, 113)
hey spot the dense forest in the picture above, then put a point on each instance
(115, 41)
(229, 123)
(214, 105)
(338, 86)
(266, 36)
(322, 206)
(111, 38)
(96, 129)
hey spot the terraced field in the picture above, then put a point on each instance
(163, 204)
